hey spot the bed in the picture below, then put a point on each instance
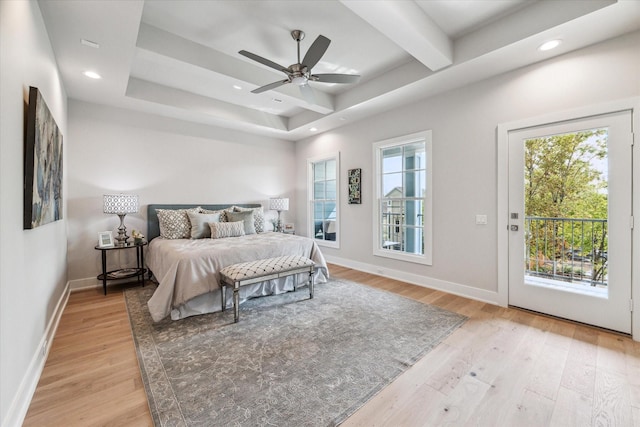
(187, 270)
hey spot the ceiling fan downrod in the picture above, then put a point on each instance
(298, 35)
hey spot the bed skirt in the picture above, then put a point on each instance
(210, 302)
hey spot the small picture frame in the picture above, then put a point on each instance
(289, 228)
(105, 239)
(355, 177)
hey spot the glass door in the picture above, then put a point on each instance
(570, 212)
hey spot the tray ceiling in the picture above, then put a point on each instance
(180, 59)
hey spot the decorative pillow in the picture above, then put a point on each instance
(174, 223)
(230, 209)
(258, 217)
(246, 217)
(223, 216)
(220, 230)
(200, 224)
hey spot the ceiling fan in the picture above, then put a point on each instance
(300, 73)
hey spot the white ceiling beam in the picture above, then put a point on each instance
(394, 80)
(538, 17)
(176, 98)
(406, 24)
(163, 43)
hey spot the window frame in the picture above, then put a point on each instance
(310, 199)
(427, 200)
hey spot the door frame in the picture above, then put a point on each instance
(502, 215)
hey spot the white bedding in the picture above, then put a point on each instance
(188, 270)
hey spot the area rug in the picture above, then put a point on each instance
(290, 361)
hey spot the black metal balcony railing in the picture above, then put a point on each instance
(392, 231)
(564, 249)
(567, 249)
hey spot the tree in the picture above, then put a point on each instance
(563, 180)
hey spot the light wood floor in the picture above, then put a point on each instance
(503, 367)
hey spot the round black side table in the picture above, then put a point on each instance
(123, 273)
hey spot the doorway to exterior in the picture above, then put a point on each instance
(569, 219)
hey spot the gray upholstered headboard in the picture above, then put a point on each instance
(153, 227)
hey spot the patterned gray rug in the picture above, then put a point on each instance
(290, 361)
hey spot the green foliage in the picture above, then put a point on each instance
(560, 178)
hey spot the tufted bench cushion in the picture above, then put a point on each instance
(246, 273)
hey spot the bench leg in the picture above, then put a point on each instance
(236, 303)
(223, 296)
(311, 284)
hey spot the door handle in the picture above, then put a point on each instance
(513, 228)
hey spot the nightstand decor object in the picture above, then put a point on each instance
(121, 205)
(279, 204)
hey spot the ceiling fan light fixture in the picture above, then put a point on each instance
(299, 80)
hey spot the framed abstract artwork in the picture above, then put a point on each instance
(354, 177)
(42, 164)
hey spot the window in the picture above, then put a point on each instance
(402, 225)
(324, 197)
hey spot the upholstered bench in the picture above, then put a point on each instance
(246, 273)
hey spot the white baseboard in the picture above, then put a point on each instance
(22, 400)
(92, 283)
(86, 283)
(415, 279)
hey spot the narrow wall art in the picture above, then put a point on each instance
(354, 186)
(42, 164)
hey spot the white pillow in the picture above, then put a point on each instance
(174, 223)
(220, 230)
(200, 224)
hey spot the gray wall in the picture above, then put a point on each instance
(32, 262)
(464, 125)
(163, 161)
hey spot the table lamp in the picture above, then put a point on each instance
(279, 204)
(121, 205)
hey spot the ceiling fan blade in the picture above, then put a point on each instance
(269, 86)
(335, 78)
(307, 94)
(315, 52)
(264, 61)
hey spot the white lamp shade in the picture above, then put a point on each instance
(279, 204)
(120, 203)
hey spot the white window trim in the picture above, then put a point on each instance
(426, 258)
(310, 225)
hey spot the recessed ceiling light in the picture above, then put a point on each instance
(277, 100)
(551, 44)
(92, 75)
(238, 87)
(313, 129)
(342, 119)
